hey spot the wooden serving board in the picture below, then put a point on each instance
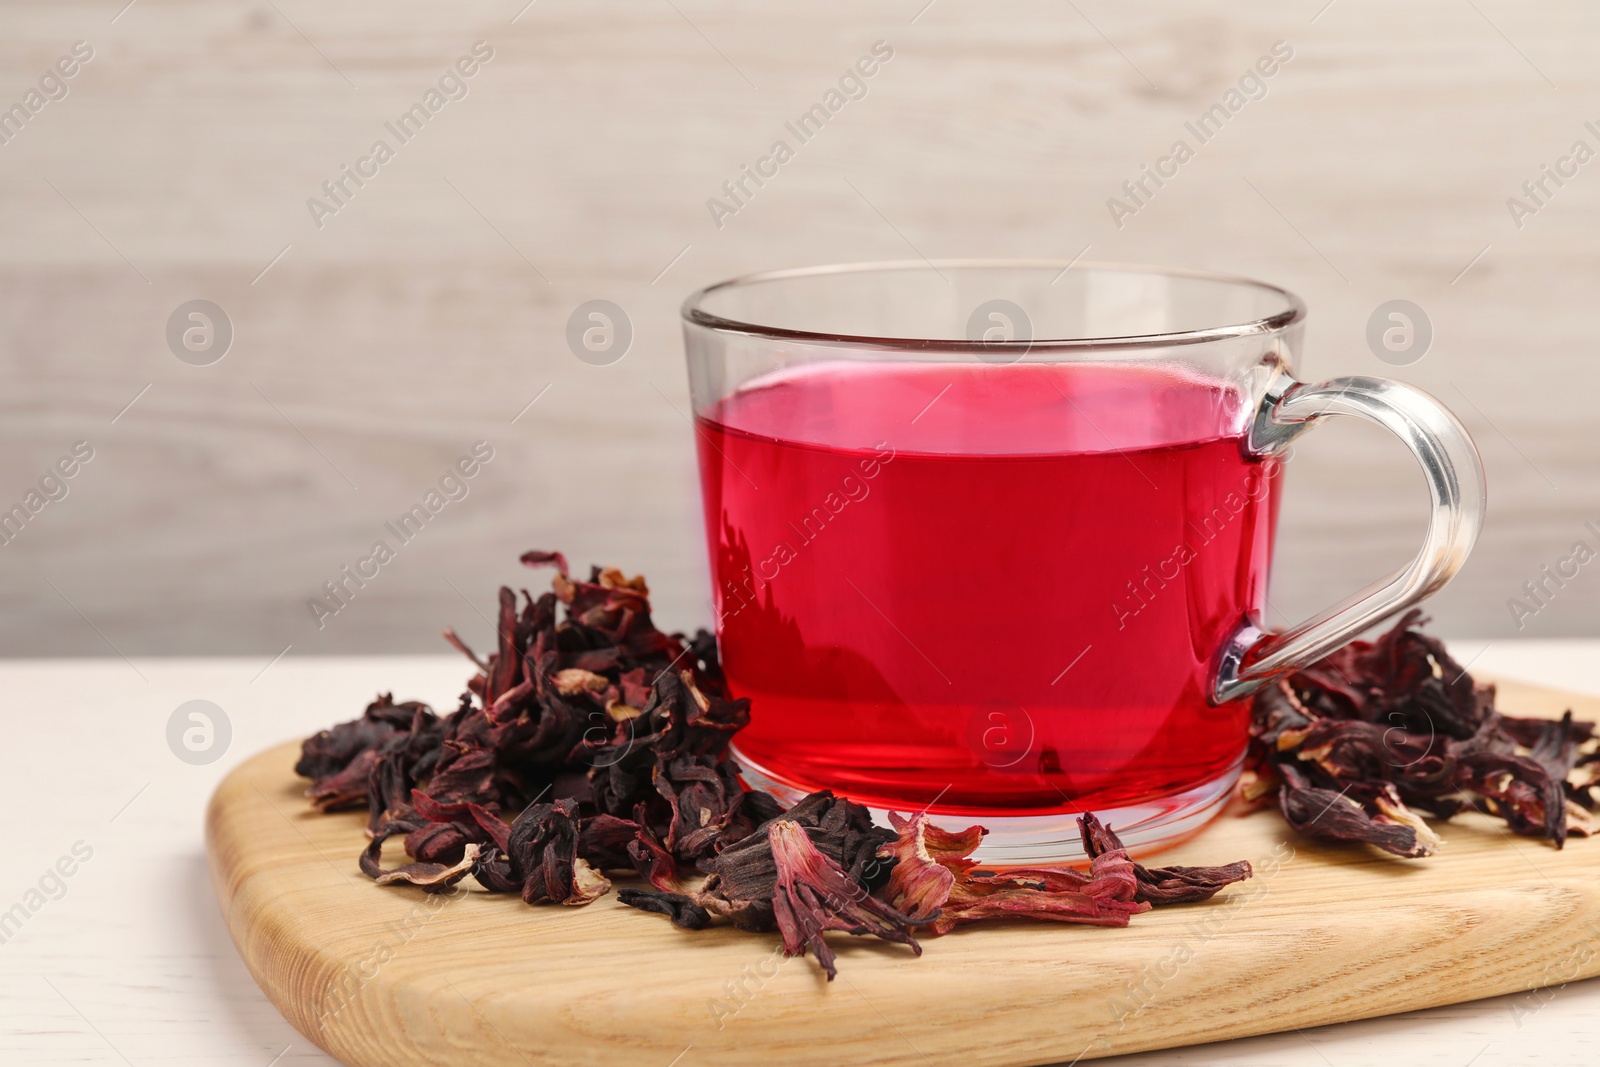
(388, 977)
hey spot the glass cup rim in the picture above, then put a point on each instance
(693, 311)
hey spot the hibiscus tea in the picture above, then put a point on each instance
(985, 588)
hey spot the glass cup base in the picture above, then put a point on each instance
(1037, 839)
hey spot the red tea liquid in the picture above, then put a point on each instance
(1001, 588)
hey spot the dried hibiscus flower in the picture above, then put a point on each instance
(814, 894)
(1162, 885)
(1361, 744)
(745, 879)
(936, 881)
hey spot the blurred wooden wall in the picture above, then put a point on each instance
(371, 351)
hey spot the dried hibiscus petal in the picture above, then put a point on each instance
(1103, 897)
(679, 907)
(1163, 885)
(926, 861)
(331, 751)
(542, 849)
(653, 862)
(1529, 792)
(603, 840)
(346, 787)
(935, 880)
(452, 825)
(1333, 816)
(1518, 790)
(537, 558)
(440, 842)
(813, 894)
(434, 877)
(841, 829)
(493, 871)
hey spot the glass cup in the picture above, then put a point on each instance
(991, 539)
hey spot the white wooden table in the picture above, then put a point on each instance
(127, 960)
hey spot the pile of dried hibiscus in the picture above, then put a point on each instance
(590, 741)
(1355, 744)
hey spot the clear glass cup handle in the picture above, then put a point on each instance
(1454, 474)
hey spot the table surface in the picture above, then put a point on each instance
(127, 959)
